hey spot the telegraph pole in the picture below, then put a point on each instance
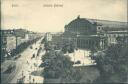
(15, 34)
(127, 22)
(16, 41)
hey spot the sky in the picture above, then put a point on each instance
(36, 15)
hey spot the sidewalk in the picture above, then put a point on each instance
(33, 67)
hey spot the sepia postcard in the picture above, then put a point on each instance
(64, 41)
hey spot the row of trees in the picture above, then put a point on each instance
(113, 63)
(68, 46)
(20, 48)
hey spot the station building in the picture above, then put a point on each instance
(92, 33)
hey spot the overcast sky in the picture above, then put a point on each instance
(32, 15)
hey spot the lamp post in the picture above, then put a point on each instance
(74, 57)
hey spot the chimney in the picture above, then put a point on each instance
(78, 17)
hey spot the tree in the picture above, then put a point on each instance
(43, 40)
(65, 48)
(112, 62)
(47, 46)
(72, 47)
(68, 47)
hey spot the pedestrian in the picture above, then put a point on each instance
(27, 62)
(24, 77)
(33, 80)
(33, 56)
(22, 73)
(35, 64)
(29, 78)
(17, 80)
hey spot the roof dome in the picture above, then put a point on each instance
(80, 22)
